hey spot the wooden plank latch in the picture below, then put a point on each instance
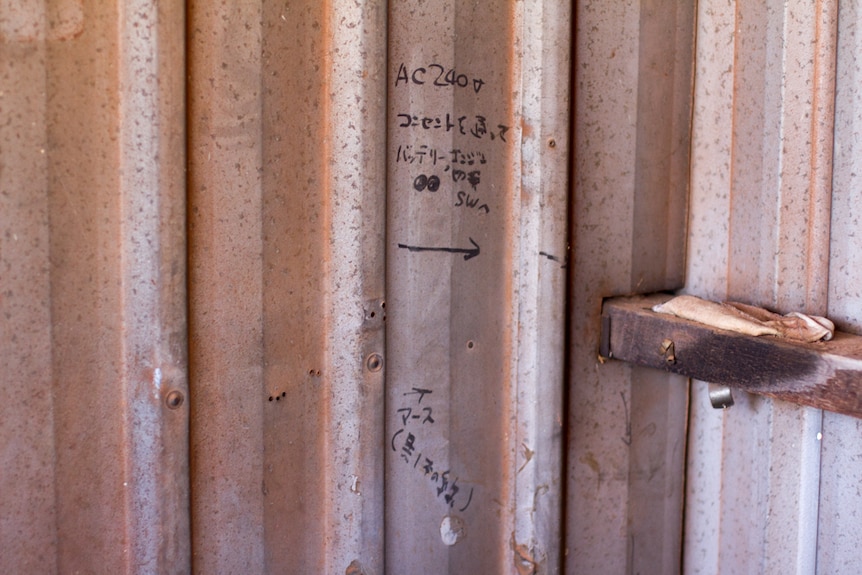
(826, 375)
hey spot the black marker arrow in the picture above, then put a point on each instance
(468, 252)
(554, 258)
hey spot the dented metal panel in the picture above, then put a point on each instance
(476, 251)
(287, 164)
(95, 413)
(633, 89)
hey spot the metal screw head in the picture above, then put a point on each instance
(374, 362)
(174, 399)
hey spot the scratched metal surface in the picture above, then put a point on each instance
(478, 148)
(94, 461)
(633, 90)
(764, 492)
(287, 180)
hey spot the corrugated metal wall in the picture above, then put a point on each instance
(476, 339)
(626, 453)
(772, 487)
(93, 414)
(284, 285)
(287, 132)
(288, 171)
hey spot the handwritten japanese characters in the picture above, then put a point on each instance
(436, 166)
(445, 147)
(405, 443)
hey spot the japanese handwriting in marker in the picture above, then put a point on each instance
(436, 75)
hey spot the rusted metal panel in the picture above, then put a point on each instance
(633, 89)
(287, 164)
(478, 121)
(761, 199)
(93, 163)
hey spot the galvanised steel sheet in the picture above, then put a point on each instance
(765, 478)
(476, 266)
(27, 500)
(405, 166)
(840, 503)
(627, 427)
(94, 389)
(286, 190)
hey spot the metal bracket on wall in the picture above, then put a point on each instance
(826, 375)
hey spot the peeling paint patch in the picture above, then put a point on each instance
(525, 564)
(452, 530)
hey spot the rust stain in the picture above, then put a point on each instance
(65, 19)
(590, 460)
(526, 130)
(355, 568)
(522, 557)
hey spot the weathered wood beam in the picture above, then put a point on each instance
(826, 375)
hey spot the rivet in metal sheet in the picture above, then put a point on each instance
(174, 399)
(552, 143)
(470, 344)
(374, 362)
(720, 396)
